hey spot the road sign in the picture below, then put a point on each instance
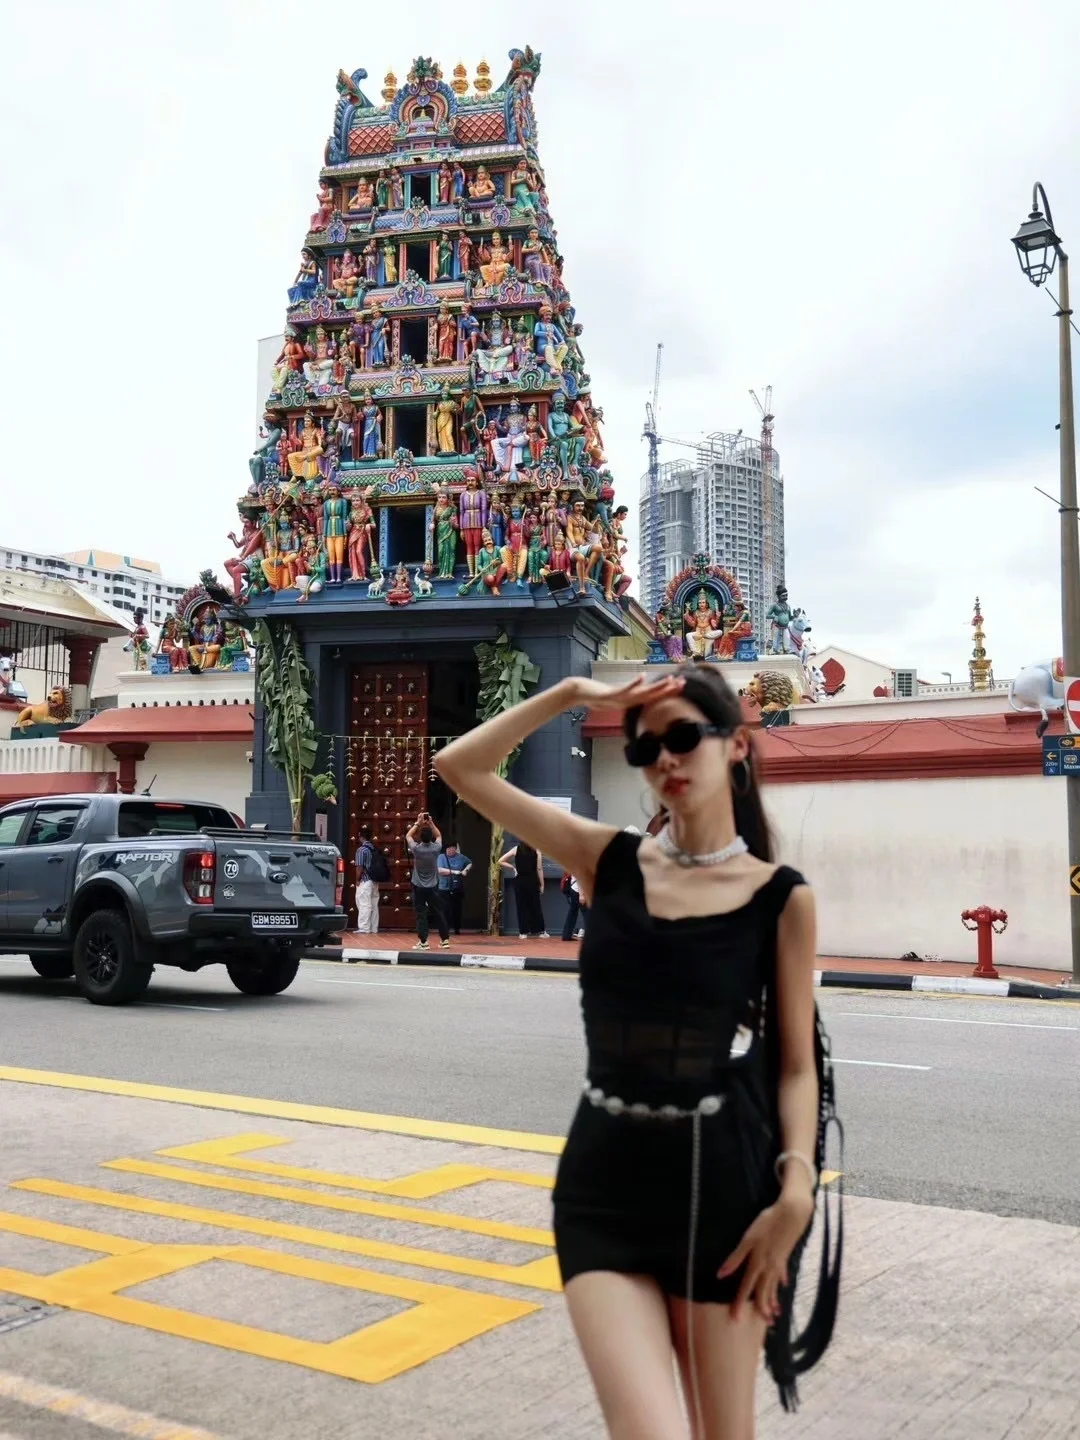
(1072, 705)
(1061, 755)
(1074, 879)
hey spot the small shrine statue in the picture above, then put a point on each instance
(534, 258)
(465, 248)
(779, 616)
(207, 638)
(468, 332)
(584, 542)
(703, 626)
(446, 180)
(307, 279)
(304, 462)
(481, 186)
(445, 413)
(334, 527)
(670, 639)
(361, 538)
(171, 643)
(397, 190)
(444, 523)
(378, 351)
(270, 433)
(534, 433)
(447, 334)
(565, 435)
(510, 441)
(360, 340)
(559, 561)
(613, 576)
(235, 645)
(472, 517)
(495, 261)
(325, 213)
(389, 262)
(348, 275)
(524, 188)
(319, 367)
(445, 257)
(289, 361)
(382, 190)
(536, 556)
(371, 262)
(250, 547)
(493, 563)
(738, 626)
(473, 420)
(371, 442)
(551, 344)
(400, 593)
(496, 359)
(457, 182)
(363, 197)
(311, 569)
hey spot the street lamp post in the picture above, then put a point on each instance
(1039, 248)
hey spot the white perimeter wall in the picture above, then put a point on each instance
(207, 770)
(894, 862)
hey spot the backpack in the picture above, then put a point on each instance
(564, 883)
(378, 868)
(789, 1354)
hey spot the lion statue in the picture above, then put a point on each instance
(772, 691)
(53, 710)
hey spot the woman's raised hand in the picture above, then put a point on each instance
(642, 690)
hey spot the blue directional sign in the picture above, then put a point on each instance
(1061, 754)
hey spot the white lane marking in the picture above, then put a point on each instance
(959, 985)
(881, 1064)
(386, 984)
(955, 1020)
(157, 1004)
(104, 1414)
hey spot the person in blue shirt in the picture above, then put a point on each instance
(453, 867)
(367, 892)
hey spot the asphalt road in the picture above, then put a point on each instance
(946, 1101)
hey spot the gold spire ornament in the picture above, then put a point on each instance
(980, 668)
(389, 86)
(482, 83)
(460, 82)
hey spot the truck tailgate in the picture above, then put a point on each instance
(271, 874)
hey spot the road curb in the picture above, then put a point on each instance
(826, 979)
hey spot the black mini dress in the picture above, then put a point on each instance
(673, 1013)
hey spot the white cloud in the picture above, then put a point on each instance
(820, 197)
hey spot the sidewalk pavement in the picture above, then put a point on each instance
(475, 950)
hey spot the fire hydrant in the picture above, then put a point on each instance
(988, 923)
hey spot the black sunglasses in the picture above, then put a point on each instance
(679, 738)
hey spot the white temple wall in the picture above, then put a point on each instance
(209, 770)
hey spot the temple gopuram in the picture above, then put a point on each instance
(430, 476)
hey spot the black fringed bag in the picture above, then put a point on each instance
(789, 1354)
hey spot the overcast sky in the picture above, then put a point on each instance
(819, 197)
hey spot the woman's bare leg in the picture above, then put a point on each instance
(624, 1331)
(727, 1355)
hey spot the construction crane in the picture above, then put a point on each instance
(655, 574)
(768, 460)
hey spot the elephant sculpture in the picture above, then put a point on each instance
(1040, 687)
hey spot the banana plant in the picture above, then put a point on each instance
(285, 687)
(505, 676)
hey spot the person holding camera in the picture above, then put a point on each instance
(425, 846)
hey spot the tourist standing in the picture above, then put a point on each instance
(527, 864)
(425, 845)
(575, 907)
(453, 867)
(688, 1177)
(367, 890)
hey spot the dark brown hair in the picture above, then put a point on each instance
(707, 689)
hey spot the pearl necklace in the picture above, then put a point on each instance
(738, 846)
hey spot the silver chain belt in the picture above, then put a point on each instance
(614, 1105)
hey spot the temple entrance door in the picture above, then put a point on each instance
(388, 770)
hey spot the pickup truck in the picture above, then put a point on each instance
(105, 887)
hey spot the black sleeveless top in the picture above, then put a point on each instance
(671, 1005)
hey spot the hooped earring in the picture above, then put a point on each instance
(746, 777)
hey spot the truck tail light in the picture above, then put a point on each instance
(200, 869)
(339, 887)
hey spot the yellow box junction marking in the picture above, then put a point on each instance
(103, 1414)
(441, 1317)
(288, 1110)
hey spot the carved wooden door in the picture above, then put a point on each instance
(387, 764)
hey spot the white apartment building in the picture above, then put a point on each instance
(720, 501)
(124, 582)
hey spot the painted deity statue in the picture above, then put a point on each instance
(444, 523)
(473, 420)
(495, 261)
(334, 527)
(669, 638)
(348, 276)
(550, 342)
(509, 446)
(498, 519)
(382, 190)
(559, 560)
(389, 262)
(524, 188)
(304, 461)
(472, 517)
(584, 542)
(371, 429)
(378, 351)
(565, 435)
(249, 548)
(738, 626)
(445, 414)
(465, 248)
(361, 548)
(397, 190)
(523, 343)
(307, 279)
(360, 340)
(400, 593)
(493, 563)
(325, 213)
(270, 433)
(343, 425)
(447, 334)
(363, 197)
(207, 638)
(613, 576)
(371, 262)
(468, 332)
(534, 433)
(481, 186)
(446, 180)
(319, 367)
(703, 626)
(534, 258)
(536, 555)
(779, 616)
(311, 569)
(171, 644)
(496, 359)
(289, 361)
(444, 257)
(457, 182)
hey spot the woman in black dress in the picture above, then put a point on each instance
(528, 887)
(688, 1174)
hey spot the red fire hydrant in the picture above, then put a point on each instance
(988, 923)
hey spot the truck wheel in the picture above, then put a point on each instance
(107, 968)
(269, 976)
(53, 967)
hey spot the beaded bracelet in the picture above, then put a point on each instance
(811, 1168)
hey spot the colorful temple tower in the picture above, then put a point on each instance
(431, 471)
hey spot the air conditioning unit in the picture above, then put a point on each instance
(905, 684)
